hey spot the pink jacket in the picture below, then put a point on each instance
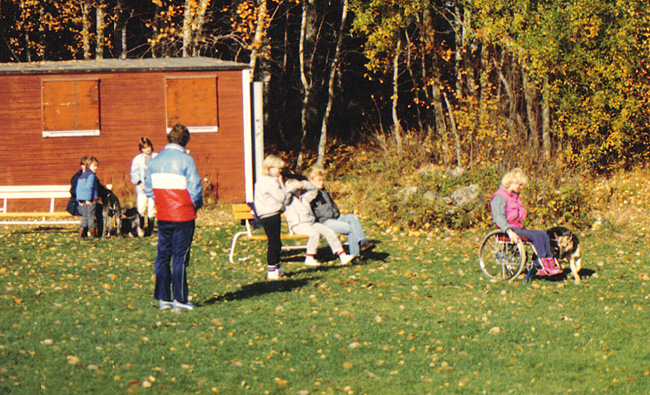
(515, 211)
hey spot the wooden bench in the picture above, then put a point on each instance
(242, 212)
(51, 192)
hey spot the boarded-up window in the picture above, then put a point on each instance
(192, 101)
(70, 107)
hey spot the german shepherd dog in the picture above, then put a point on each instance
(112, 215)
(565, 245)
(131, 223)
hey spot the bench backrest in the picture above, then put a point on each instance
(242, 211)
(34, 191)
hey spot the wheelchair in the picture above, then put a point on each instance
(501, 259)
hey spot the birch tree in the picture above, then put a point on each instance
(334, 70)
(193, 20)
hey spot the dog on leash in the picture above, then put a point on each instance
(131, 221)
(565, 245)
(112, 216)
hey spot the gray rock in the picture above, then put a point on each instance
(456, 171)
(464, 196)
(406, 192)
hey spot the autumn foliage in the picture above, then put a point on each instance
(472, 82)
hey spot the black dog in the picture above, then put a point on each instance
(131, 223)
(565, 245)
(112, 216)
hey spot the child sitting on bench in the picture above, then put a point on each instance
(302, 221)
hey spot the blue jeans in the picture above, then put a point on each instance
(174, 242)
(348, 224)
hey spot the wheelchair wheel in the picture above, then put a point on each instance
(500, 258)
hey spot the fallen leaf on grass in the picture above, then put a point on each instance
(280, 381)
(72, 360)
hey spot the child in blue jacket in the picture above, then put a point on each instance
(87, 197)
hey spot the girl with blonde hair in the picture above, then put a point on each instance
(270, 199)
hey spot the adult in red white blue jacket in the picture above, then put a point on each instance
(174, 182)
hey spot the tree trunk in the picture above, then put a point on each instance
(453, 129)
(512, 100)
(260, 30)
(187, 26)
(120, 29)
(397, 129)
(27, 38)
(546, 122)
(198, 31)
(439, 114)
(416, 89)
(530, 93)
(305, 79)
(85, 30)
(100, 26)
(436, 92)
(332, 80)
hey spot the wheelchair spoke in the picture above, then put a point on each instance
(499, 258)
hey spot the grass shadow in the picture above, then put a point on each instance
(565, 275)
(63, 228)
(259, 289)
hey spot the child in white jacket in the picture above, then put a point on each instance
(302, 221)
(270, 198)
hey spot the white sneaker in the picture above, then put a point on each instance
(272, 275)
(176, 305)
(163, 305)
(311, 261)
(345, 258)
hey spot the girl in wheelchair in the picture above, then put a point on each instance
(509, 213)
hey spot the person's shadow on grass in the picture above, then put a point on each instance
(259, 289)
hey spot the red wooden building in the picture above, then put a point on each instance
(53, 113)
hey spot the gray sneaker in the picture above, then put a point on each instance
(176, 305)
(163, 305)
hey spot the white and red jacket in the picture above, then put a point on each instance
(174, 183)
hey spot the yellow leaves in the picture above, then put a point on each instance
(72, 360)
(280, 381)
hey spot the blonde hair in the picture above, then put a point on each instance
(316, 172)
(90, 160)
(515, 175)
(271, 161)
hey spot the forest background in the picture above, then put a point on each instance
(554, 86)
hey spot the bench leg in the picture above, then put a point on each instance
(234, 243)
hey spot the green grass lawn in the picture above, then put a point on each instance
(415, 317)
